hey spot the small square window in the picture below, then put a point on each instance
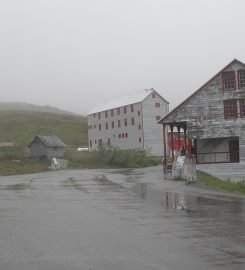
(157, 104)
(153, 95)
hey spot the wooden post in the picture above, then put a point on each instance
(185, 135)
(164, 147)
(172, 141)
(178, 128)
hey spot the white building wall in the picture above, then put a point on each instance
(128, 136)
(153, 132)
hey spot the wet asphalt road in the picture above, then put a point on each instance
(117, 220)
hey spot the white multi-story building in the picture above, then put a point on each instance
(129, 122)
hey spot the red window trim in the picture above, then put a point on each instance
(118, 123)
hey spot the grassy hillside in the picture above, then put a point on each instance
(20, 127)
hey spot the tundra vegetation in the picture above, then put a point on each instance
(214, 182)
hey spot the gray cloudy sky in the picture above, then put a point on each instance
(75, 54)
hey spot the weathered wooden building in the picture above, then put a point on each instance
(129, 122)
(213, 117)
(47, 147)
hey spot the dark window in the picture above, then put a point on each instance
(106, 125)
(118, 111)
(229, 80)
(99, 126)
(119, 136)
(99, 115)
(126, 135)
(139, 139)
(132, 108)
(125, 122)
(100, 141)
(158, 117)
(90, 143)
(138, 113)
(242, 108)
(118, 123)
(153, 95)
(95, 141)
(109, 141)
(230, 108)
(94, 126)
(132, 121)
(125, 109)
(157, 104)
(241, 78)
(106, 114)
(122, 135)
(112, 112)
(139, 126)
(112, 124)
(94, 115)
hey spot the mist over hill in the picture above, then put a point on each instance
(21, 122)
(21, 106)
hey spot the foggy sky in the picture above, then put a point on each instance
(74, 54)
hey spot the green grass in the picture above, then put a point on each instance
(216, 183)
(9, 167)
(20, 127)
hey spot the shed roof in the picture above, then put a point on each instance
(123, 101)
(49, 141)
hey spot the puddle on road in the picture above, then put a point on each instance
(127, 172)
(105, 181)
(72, 182)
(197, 204)
(17, 187)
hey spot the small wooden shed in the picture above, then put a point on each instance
(47, 147)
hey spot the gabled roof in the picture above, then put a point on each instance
(49, 141)
(199, 89)
(123, 101)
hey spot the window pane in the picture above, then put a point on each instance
(242, 78)
(242, 108)
(230, 107)
(229, 80)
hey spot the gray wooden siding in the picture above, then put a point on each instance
(204, 112)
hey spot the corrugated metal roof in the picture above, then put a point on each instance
(51, 141)
(123, 101)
